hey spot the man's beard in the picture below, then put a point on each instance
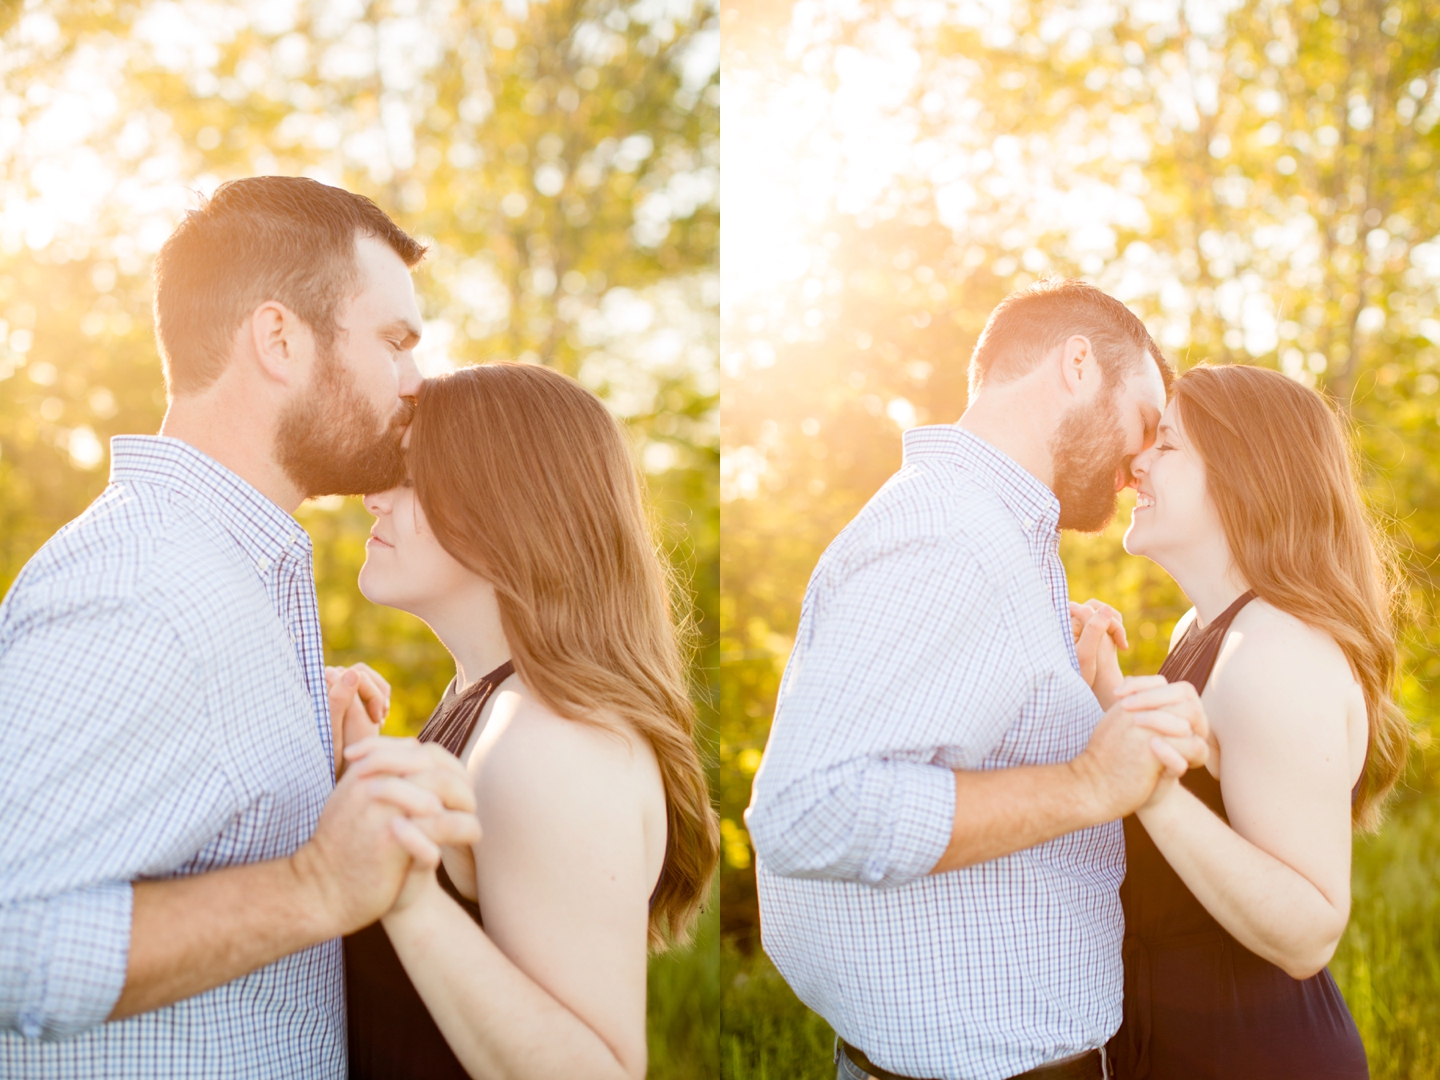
(332, 442)
(1089, 450)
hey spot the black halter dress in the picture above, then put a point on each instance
(1198, 1004)
(391, 1034)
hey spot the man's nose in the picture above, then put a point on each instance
(410, 377)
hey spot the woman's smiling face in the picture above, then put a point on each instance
(1173, 509)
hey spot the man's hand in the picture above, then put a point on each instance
(359, 702)
(1099, 631)
(190, 934)
(362, 849)
(1157, 704)
(1135, 754)
(426, 838)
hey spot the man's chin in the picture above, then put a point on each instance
(1093, 518)
(325, 471)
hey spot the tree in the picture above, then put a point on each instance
(559, 156)
(1254, 179)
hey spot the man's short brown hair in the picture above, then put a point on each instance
(281, 238)
(1031, 322)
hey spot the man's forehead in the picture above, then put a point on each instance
(387, 289)
(1147, 386)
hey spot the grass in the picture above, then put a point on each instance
(1387, 966)
(684, 1005)
(765, 1031)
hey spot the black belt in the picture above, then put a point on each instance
(1092, 1065)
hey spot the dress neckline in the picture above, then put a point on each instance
(454, 719)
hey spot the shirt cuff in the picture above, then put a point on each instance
(67, 955)
(919, 819)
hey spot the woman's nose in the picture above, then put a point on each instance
(377, 502)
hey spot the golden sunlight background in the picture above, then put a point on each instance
(1254, 177)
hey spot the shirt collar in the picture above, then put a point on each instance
(1032, 503)
(265, 533)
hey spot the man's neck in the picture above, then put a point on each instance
(1021, 431)
(224, 434)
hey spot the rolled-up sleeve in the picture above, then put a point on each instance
(901, 673)
(106, 776)
(62, 960)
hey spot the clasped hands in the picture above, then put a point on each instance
(397, 804)
(1153, 731)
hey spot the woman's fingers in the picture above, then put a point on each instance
(452, 828)
(1179, 698)
(424, 851)
(1163, 723)
(425, 764)
(342, 690)
(373, 691)
(414, 800)
(1174, 762)
(1087, 646)
(1133, 684)
(1117, 623)
(1176, 699)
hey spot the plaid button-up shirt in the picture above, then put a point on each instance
(162, 713)
(935, 636)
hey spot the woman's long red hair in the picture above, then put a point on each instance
(528, 481)
(1282, 475)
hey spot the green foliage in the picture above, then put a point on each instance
(561, 159)
(1388, 963)
(685, 1004)
(1258, 185)
(766, 1032)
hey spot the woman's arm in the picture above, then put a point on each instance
(1278, 877)
(554, 986)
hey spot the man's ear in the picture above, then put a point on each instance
(282, 343)
(1079, 368)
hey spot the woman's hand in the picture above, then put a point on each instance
(456, 830)
(1099, 632)
(1177, 716)
(359, 701)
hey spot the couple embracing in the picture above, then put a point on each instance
(185, 888)
(983, 853)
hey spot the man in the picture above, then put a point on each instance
(935, 817)
(173, 880)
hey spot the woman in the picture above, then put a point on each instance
(521, 539)
(1238, 882)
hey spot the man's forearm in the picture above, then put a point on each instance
(191, 934)
(1003, 811)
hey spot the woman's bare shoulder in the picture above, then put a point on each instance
(527, 746)
(1271, 659)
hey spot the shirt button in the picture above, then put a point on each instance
(1029, 524)
(263, 563)
(874, 873)
(30, 1024)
